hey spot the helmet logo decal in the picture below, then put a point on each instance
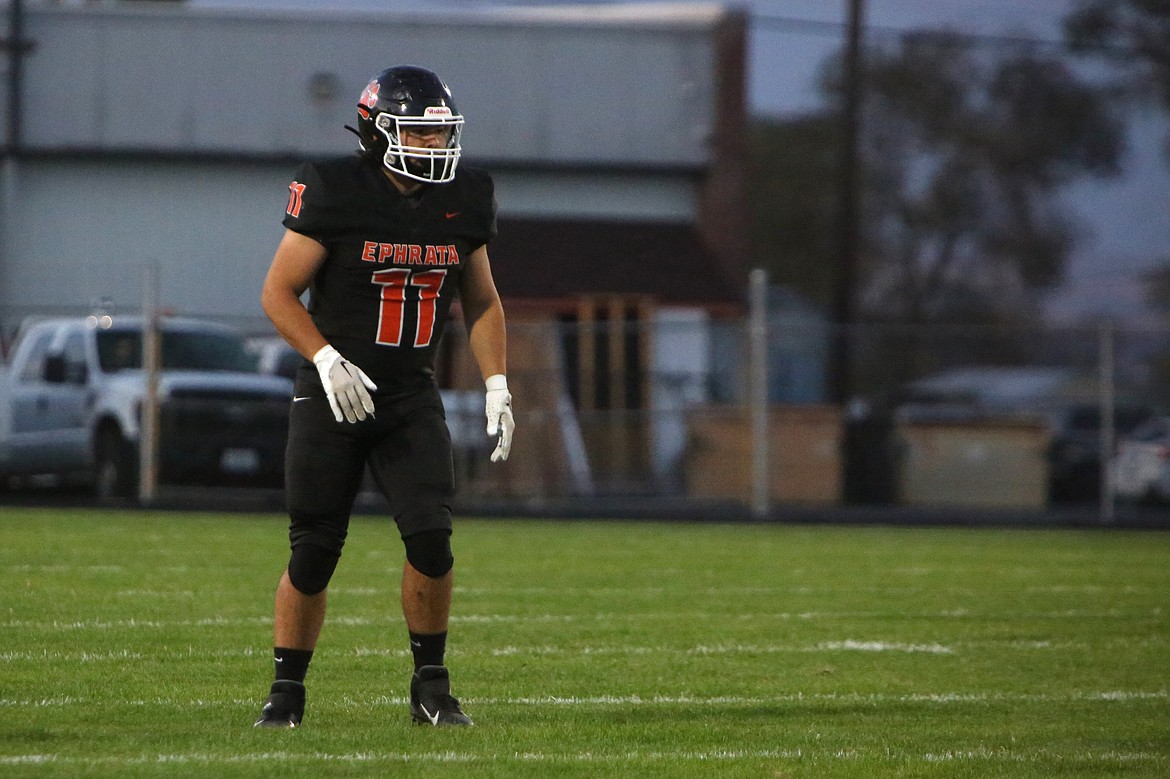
(370, 94)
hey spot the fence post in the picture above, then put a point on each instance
(758, 393)
(151, 365)
(1105, 351)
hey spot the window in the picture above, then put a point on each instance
(181, 350)
(75, 362)
(34, 369)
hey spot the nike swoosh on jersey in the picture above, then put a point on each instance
(303, 397)
(452, 214)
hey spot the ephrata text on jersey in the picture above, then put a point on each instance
(410, 253)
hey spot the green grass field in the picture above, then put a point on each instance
(138, 644)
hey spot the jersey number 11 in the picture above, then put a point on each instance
(395, 282)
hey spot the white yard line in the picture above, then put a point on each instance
(75, 657)
(847, 645)
(363, 703)
(624, 616)
(700, 650)
(989, 756)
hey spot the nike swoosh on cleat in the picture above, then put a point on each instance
(434, 719)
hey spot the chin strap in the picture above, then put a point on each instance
(353, 130)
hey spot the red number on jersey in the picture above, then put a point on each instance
(295, 201)
(429, 283)
(394, 282)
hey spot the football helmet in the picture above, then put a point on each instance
(407, 98)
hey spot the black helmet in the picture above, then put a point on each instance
(409, 96)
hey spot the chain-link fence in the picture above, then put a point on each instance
(663, 407)
(622, 398)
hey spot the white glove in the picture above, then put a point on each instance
(498, 404)
(347, 388)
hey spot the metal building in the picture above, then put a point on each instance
(151, 133)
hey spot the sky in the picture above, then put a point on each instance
(780, 44)
(1126, 221)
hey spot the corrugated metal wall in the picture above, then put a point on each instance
(159, 134)
(264, 82)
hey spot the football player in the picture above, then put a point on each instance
(383, 241)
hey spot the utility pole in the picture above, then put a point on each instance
(16, 47)
(848, 215)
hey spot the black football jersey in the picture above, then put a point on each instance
(394, 263)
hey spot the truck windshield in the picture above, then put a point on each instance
(122, 350)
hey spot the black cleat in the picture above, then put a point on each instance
(431, 702)
(285, 706)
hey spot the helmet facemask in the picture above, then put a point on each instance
(434, 165)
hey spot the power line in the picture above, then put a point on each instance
(831, 29)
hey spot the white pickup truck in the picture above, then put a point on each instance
(72, 395)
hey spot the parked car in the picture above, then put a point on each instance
(274, 356)
(1141, 464)
(72, 396)
(1074, 453)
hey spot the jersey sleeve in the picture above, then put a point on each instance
(484, 194)
(308, 210)
(491, 229)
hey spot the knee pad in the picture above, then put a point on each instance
(316, 541)
(429, 552)
(310, 567)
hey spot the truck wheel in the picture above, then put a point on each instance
(113, 466)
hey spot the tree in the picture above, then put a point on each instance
(964, 156)
(1157, 288)
(1132, 35)
(793, 202)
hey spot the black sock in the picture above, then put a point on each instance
(428, 648)
(292, 664)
